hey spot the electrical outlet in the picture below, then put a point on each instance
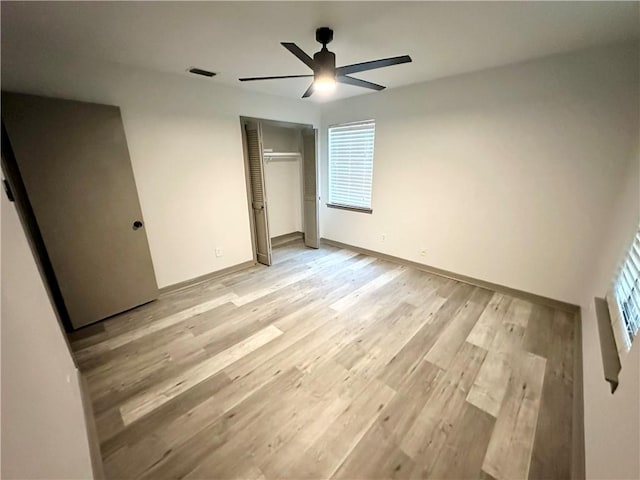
(423, 252)
(384, 237)
(218, 252)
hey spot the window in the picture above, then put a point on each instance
(626, 295)
(351, 165)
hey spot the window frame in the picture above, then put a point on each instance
(340, 206)
(617, 301)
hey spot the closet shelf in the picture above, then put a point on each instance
(282, 154)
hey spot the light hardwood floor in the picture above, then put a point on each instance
(332, 364)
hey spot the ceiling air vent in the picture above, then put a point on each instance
(199, 71)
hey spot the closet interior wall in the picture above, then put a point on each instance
(283, 179)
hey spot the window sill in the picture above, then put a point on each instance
(610, 358)
(347, 207)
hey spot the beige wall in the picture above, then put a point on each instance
(612, 422)
(506, 175)
(284, 196)
(185, 143)
(43, 428)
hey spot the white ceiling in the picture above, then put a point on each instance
(239, 39)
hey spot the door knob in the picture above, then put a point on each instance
(137, 224)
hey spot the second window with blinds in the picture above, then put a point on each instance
(624, 298)
(351, 165)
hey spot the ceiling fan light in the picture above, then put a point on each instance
(324, 83)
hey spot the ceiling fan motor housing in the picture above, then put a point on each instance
(324, 35)
(325, 63)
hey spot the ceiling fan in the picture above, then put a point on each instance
(325, 73)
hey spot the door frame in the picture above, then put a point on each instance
(276, 123)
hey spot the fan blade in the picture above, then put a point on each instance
(298, 52)
(372, 65)
(359, 83)
(250, 79)
(308, 92)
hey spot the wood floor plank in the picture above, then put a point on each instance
(108, 424)
(446, 287)
(120, 464)
(481, 295)
(352, 298)
(149, 349)
(241, 388)
(139, 406)
(490, 385)
(167, 304)
(301, 413)
(484, 331)
(140, 383)
(289, 280)
(191, 448)
(248, 285)
(313, 327)
(130, 336)
(412, 287)
(285, 450)
(485, 476)
(375, 456)
(382, 340)
(251, 444)
(335, 257)
(405, 362)
(537, 338)
(509, 451)
(329, 451)
(134, 363)
(428, 434)
(454, 334)
(179, 430)
(510, 332)
(400, 414)
(378, 454)
(551, 453)
(362, 262)
(551, 456)
(89, 335)
(561, 354)
(147, 426)
(463, 454)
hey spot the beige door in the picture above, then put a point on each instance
(311, 199)
(258, 192)
(74, 162)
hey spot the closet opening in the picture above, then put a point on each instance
(282, 184)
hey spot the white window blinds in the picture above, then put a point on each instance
(626, 290)
(351, 164)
